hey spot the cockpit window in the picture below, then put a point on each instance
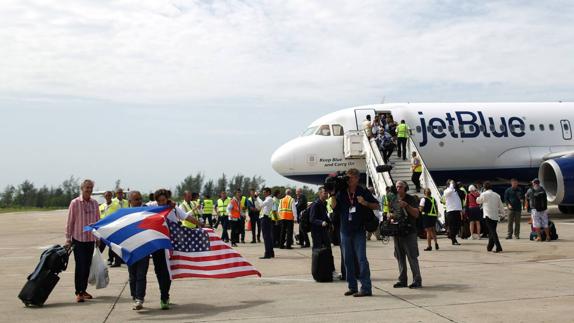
(309, 131)
(324, 130)
(338, 130)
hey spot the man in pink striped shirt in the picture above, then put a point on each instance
(83, 210)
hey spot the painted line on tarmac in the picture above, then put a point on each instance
(284, 279)
(116, 302)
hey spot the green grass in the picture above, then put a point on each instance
(27, 209)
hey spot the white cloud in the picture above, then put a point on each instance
(264, 51)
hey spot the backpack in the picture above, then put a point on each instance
(304, 222)
(539, 200)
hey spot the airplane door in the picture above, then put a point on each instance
(361, 115)
(566, 129)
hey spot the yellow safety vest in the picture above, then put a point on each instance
(222, 206)
(121, 205)
(419, 167)
(286, 208)
(274, 215)
(386, 206)
(208, 207)
(402, 130)
(187, 208)
(106, 209)
(243, 200)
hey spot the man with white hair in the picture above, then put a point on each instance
(83, 210)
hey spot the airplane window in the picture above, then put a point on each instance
(502, 127)
(440, 129)
(450, 129)
(338, 130)
(419, 129)
(492, 128)
(551, 127)
(429, 128)
(461, 128)
(541, 127)
(324, 130)
(472, 128)
(566, 127)
(309, 131)
(522, 127)
(532, 128)
(481, 128)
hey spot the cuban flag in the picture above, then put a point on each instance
(134, 233)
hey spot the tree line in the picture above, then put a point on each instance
(28, 195)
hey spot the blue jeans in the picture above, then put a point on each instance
(355, 245)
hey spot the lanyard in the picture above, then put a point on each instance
(351, 198)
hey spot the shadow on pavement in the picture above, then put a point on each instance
(194, 311)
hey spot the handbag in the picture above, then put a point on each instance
(371, 221)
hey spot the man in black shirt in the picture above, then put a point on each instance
(406, 247)
(320, 221)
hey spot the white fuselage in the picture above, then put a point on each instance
(466, 141)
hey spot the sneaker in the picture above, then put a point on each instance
(85, 295)
(138, 305)
(164, 305)
(79, 298)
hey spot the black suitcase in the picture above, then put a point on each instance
(45, 277)
(322, 265)
(36, 291)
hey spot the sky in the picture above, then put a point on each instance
(150, 91)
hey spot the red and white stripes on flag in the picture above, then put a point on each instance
(221, 261)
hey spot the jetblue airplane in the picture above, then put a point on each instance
(467, 142)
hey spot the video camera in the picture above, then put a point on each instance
(337, 182)
(399, 228)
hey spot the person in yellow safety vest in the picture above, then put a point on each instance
(107, 208)
(429, 211)
(207, 207)
(222, 216)
(402, 136)
(234, 211)
(417, 168)
(243, 217)
(287, 214)
(120, 200)
(190, 205)
(275, 218)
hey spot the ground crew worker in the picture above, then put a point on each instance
(429, 211)
(207, 208)
(222, 216)
(254, 216)
(301, 205)
(417, 168)
(190, 205)
(287, 213)
(234, 211)
(402, 135)
(122, 202)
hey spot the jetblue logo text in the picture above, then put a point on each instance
(468, 124)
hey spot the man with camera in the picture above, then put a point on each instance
(355, 205)
(405, 211)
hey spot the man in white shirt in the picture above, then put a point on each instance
(453, 211)
(367, 126)
(492, 207)
(266, 207)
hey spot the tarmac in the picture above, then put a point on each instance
(528, 282)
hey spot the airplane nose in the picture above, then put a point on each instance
(282, 160)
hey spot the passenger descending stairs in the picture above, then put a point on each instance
(402, 172)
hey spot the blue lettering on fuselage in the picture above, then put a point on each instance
(470, 125)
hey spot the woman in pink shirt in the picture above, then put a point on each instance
(473, 211)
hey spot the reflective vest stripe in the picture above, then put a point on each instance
(433, 210)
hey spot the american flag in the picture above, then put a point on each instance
(201, 253)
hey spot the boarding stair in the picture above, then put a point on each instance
(401, 170)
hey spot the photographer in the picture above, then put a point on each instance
(354, 203)
(405, 208)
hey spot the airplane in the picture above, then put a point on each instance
(468, 142)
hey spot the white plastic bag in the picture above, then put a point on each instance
(98, 271)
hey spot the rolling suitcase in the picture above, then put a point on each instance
(45, 277)
(322, 265)
(36, 291)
